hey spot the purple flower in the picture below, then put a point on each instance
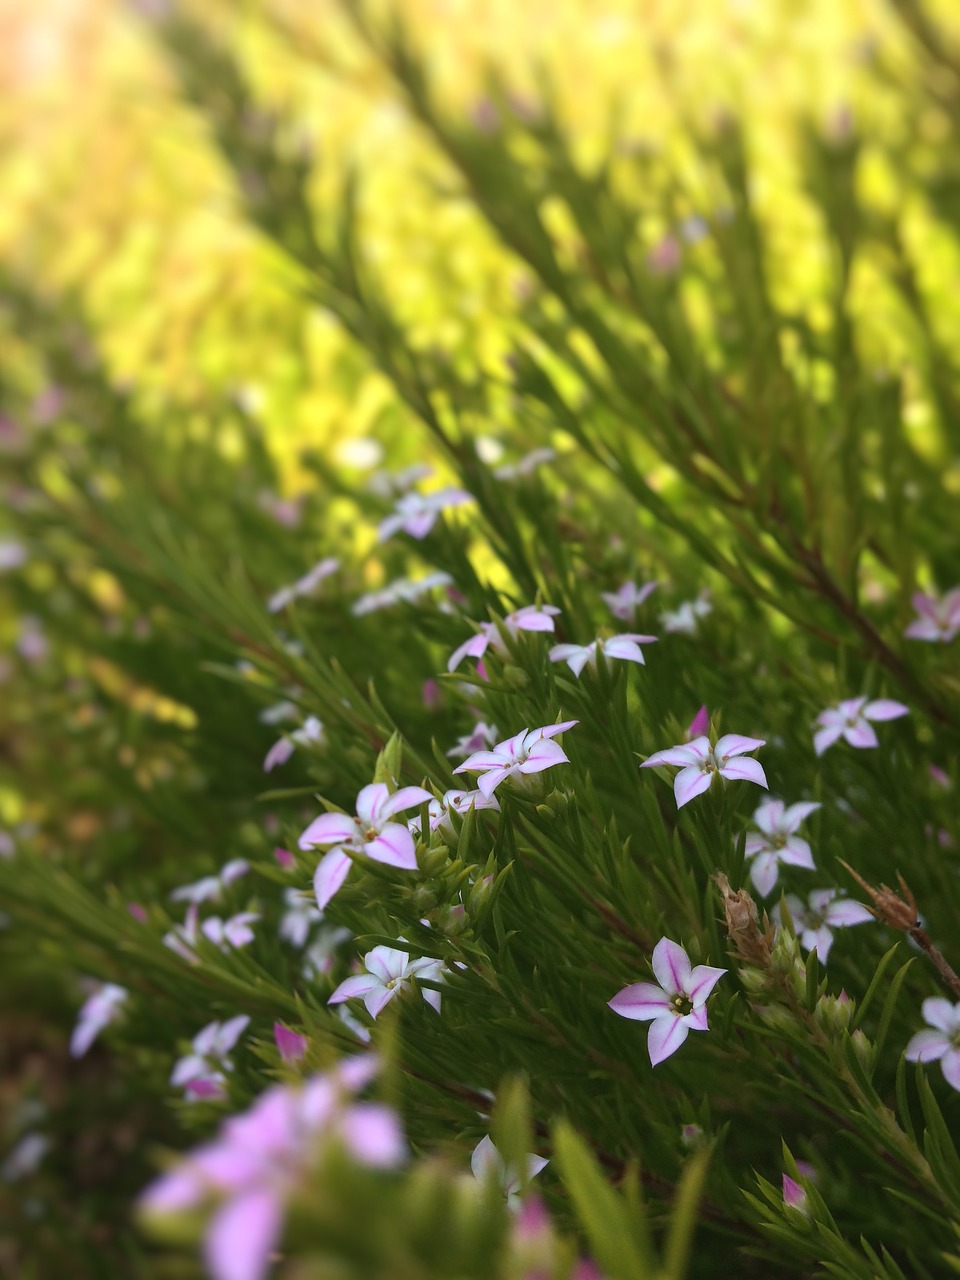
(259, 1159)
(371, 832)
(941, 1043)
(388, 972)
(304, 586)
(529, 751)
(823, 913)
(201, 1072)
(625, 602)
(849, 720)
(699, 762)
(531, 617)
(416, 513)
(486, 1161)
(98, 1011)
(676, 1007)
(211, 888)
(937, 620)
(291, 1045)
(577, 656)
(778, 842)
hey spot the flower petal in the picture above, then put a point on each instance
(665, 1037)
(373, 1135)
(359, 985)
(329, 828)
(950, 1066)
(745, 770)
(329, 876)
(885, 709)
(551, 730)
(943, 1015)
(690, 782)
(671, 966)
(685, 754)
(927, 1046)
(405, 798)
(241, 1236)
(847, 912)
(640, 1002)
(701, 982)
(735, 744)
(824, 738)
(394, 847)
(769, 816)
(543, 755)
(861, 735)
(764, 873)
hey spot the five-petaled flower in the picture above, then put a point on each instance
(416, 513)
(486, 1161)
(625, 602)
(529, 751)
(941, 1042)
(849, 720)
(577, 656)
(778, 842)
(675, 1007)
(699, 762)
(304, 586)
(937, 619)
(531, 617)
(281, 751)
(684, 619)
(388, 972)
(481, 735)
(261, 1158)
(370, 832)
(201, 1072)
(816, 920)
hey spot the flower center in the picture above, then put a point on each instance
(682, 1005)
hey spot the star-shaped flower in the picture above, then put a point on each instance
(816, 920)
(937, 619)
(529, 751)
(486, 1160)
(388, 972)
(778, 842)
(531, 617)
(941, 1043)
(416, 513)
(675, 1007)
(685, 618)
(699, 762)
(201, 1072)
(625, 602)
(371, 832)
(849, 720)
(577, 656)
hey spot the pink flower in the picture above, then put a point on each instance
(577, 656)
(388, 972)
(487, 1162)
(699, 725)
(941, 1043)
(699, 762)
(529, 751)
(530, 618)
(674, 1008)
(849, 719)
(96, 1013)
(416, 513)
(937, 620)
(201, 1072)
(259, 1159)
(291, 1045)
(794, 1195)
(285, 858)
(778, 842)
(822, 913)
(625, 602)
(371, 832)
(304, 586)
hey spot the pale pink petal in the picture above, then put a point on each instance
(551, 730)
(543, 755)
(696, 1019)
(378, 999)
(690, 753)
(798, 812)
(819, 940)
(405, 798)
(701, 982)
(764, 872)
(745, 770)
(486, 1159)
(242, 1235)
(665, 1036)
(388, 527)
(851, 708)
(768, 816)
(924, 629)
(824, 738)
(950, 1066)
(885, 709)
(624, 649)
(797, 853)
(940, 1013)
(370, 802)
(181, 1188)
(537, 621)
(690, 782)
(475, 647)
(420, 524)
(373, 1135)
(925, 605)
(230, 1032)
(847, 912)
(279, 753)
(329, 828)
(756, 844)
(735, 744)
(394, 847)
(861, 735)
(927, 1046)
(359, 985)
(487, 783)
(641, 1001)
(671, 966)
(330, 874)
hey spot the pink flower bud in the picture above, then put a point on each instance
(291, 1045)
(284, 857)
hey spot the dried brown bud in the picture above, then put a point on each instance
(898, 912)
(742, 922)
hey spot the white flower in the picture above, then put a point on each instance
(304, 586)
(778, 842)
(211, 888)
(201, 1072)
(822, 913)
(529, 751)
(683, 620)
(486, 1161)
(96, 1013)
(577, 656)
(942, 1043)
(388, 972)
(700, 762)
(849, 721)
